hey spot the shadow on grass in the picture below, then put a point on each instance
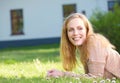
(45, 46)
(44, 53)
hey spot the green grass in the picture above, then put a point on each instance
(30, 65)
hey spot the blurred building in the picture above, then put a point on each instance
(35, 22)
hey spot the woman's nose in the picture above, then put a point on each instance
(76, 32)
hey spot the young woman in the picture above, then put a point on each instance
(97, 55)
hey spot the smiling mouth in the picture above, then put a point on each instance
(77, 38)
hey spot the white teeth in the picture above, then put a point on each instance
(76, 39)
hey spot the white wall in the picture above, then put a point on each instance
(42, 19)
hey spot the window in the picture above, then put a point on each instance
(68, 9)
(111, 4)
(17, 21)
(83, 12)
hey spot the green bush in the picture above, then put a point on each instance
(108, 24)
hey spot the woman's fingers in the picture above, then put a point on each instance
(54, 73)
(50, 73)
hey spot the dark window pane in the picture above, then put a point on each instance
(111, 4)
(83, 12)
(68, 9)
(17, 21)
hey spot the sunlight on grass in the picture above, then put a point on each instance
(26, 69)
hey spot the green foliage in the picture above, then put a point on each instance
(108, 24)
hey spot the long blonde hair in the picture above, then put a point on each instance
(67, 49)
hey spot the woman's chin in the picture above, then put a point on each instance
(77, 44)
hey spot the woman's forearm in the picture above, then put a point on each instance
(70, 74)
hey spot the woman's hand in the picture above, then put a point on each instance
(55, 73)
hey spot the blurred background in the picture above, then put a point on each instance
(36, 22)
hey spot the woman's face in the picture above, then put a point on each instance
(76, 31)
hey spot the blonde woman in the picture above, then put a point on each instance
(97, 55)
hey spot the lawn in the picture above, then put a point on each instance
(30, 64)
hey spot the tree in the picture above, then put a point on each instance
(108, 24)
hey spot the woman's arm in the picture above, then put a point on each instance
(96, 68)
(71, 74)
(96, 47)
(57, 73)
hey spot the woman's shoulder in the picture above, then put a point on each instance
(97, 38)
(92, 41)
